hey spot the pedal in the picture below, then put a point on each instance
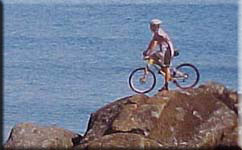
(174, 81)
(161, 72)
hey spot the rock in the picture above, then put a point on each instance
(194, 118)
(205, 117)
(229, 97)
(100, 122)
(33, 136)
(122, 141)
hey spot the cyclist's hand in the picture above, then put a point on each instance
(146, 57)
(147, 53)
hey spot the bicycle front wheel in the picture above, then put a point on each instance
(186, 76)
(141, 81)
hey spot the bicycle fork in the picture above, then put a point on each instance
(143, 79)
(146, 70)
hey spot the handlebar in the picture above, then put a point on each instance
(146, 57)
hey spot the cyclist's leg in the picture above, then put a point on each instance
(167, 62)
(160, 58)
(156, 58)
(166, 69)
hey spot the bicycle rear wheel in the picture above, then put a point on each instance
(186, 76)
(141, 82)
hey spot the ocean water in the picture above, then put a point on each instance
(64, 61)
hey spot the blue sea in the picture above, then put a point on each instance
(64, 61)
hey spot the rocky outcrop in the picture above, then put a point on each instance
(195, 118)
(204, 117)
(33, 136)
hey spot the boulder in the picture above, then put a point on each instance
(206, 116)
(122, 141)
(33, 136)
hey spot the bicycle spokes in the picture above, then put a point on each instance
(186, 76)
(142, 80)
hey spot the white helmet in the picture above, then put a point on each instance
(155, 22)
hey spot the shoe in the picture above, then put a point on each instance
(163, 89)
(161, 72)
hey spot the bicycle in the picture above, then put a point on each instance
(143, 80)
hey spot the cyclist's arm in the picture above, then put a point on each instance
(153, 43)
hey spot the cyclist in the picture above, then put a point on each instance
(163, 56)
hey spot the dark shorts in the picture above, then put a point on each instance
(167, 59)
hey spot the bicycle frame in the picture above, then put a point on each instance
(151, 62)
(179, 75)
